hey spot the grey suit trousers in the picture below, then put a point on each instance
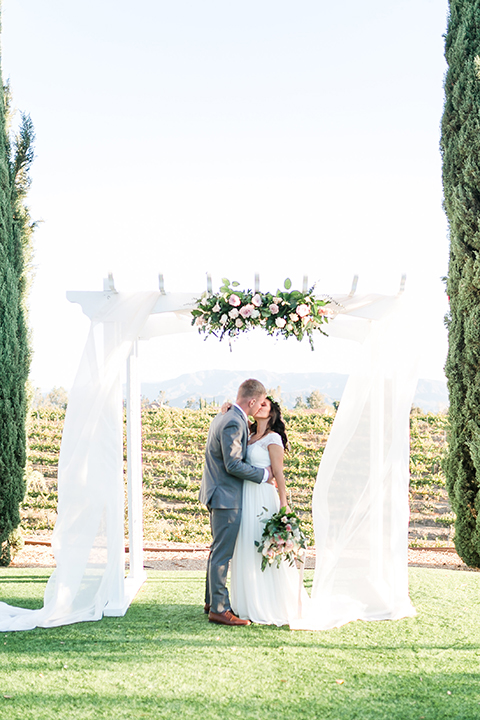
(224, 525)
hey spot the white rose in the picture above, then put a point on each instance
(293, 317)
(216, 307)
(223, 319)
(239, 322)
(233, 313)
(280, 322)
(257, 300)
(303, 311)
(255, 314)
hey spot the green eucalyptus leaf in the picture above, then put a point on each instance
(287, 284)
(235, 283)
(225, 281)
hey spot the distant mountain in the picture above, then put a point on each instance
(220, 385)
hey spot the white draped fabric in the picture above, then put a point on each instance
(360, 503)
(88, 540)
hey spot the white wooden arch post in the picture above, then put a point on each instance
(124, 589)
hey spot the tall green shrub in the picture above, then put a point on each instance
(461, 181)
(16, 155)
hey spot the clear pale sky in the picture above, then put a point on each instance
(279, 137)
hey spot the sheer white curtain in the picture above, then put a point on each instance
(88, 540)
(360, 501)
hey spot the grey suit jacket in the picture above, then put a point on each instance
(225, 467)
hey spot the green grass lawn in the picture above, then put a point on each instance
(165, 660)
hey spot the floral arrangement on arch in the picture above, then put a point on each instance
(286, 313)
(282, 539)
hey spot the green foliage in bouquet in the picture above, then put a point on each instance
(460, 146)
(288, 313)
(282, 539)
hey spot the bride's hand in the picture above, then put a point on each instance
(225, 407)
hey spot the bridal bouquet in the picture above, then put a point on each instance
(282, 539)
(287, 313)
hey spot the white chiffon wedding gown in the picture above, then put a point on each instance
(270, 597)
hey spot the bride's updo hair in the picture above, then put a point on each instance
(275, 422)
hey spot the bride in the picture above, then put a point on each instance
(270, 597)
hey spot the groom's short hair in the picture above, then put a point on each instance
(251, 389)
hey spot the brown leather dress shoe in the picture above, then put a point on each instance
(226, 618)
(206, 608)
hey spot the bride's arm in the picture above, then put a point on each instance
(276, 459)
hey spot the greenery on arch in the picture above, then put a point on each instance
(287, 313)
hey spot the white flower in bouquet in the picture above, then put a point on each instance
(216, 307)
(233, 313)
(274, 308)
(223, 319)
(257, 300)
(293, 317)
(280, 322)
(255, 314)
(247, 310)
(234, 300)
(303, 310)
(238, 323)
(200, 321)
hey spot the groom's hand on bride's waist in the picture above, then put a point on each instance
(270, 479)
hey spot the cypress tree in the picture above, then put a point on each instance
(16, 155)
(460, 145)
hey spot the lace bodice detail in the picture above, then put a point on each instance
(257, 453)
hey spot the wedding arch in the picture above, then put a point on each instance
(360, 502)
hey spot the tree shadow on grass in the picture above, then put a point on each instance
(361, 698)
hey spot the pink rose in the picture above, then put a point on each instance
(326, 312)
(280, 322)
(257, 300)
(288, 528)
(234, 300)
(273, 309)
(200, 321)
(239, 323)
(288, 545)
(277, 300)
(247, 310)
(303, 310)
(293, 317)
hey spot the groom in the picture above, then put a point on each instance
(221, 491)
